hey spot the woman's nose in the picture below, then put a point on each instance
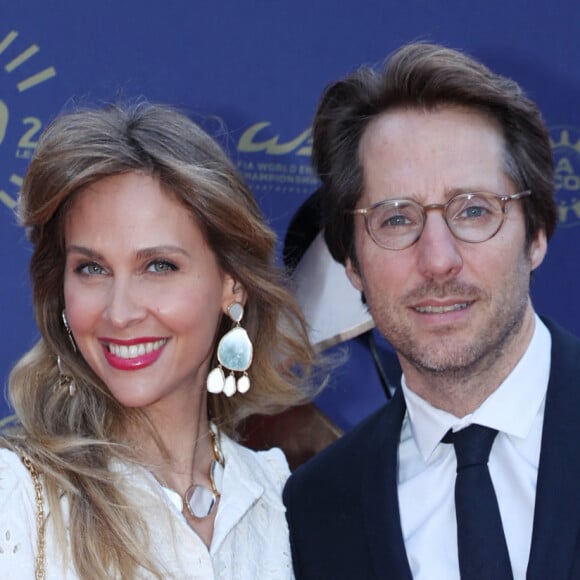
(125, 305)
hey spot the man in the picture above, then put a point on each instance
(439, 200)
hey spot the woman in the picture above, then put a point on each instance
(164, 323)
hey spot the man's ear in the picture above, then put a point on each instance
(538, 249)
(353, 275)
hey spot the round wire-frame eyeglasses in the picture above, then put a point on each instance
(474, 217)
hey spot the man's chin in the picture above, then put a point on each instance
(434, 359)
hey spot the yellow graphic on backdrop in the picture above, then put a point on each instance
(272, 165)
(24, 130)
(566, 150)
(249, 143)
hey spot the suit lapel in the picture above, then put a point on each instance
(557, 511)
(380, 503)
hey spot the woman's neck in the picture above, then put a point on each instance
(181, 452)
(178, 450)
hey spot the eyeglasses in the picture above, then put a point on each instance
(396, 224)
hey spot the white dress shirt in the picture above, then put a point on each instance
(250, 537)
(427, 468)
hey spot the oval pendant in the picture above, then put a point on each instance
(235, 350)
(200, 501)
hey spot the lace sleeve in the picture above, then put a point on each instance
(17, 518)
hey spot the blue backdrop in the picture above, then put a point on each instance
(253, 70)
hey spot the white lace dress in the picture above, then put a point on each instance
(250, 539)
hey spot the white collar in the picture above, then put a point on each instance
(241, 487)
(511, 408)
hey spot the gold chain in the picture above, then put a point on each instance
(40, 521)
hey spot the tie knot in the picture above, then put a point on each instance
(472, 445)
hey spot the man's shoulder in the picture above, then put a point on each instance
(345, 454)
(561, 334)
(565, 355)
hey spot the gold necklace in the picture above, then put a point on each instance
(199, 500)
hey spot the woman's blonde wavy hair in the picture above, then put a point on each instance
(72, 440)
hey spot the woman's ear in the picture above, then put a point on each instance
(234, 291)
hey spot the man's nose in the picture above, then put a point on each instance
(438, 249)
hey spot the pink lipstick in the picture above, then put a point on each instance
(135, 354)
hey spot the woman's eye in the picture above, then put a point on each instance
(90, 269)
(161, 266)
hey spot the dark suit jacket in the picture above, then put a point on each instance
(343, 507)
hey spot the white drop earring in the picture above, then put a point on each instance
(234, 353)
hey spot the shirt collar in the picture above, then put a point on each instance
(511, 408)
(241, 488)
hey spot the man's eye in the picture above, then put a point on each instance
(474, 211)
(473, 208)
(396, 220)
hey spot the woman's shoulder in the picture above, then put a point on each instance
(16, 487)
(14, 478)
(268, 466)
(18, 522)
(11, 467)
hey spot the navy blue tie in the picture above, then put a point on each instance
(483, 552)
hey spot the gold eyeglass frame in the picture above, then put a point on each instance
(441, 207)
